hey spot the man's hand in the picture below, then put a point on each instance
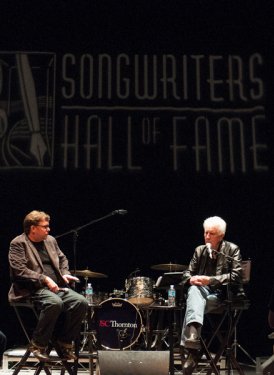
(52, 286)
(69, 278)
(199, 280)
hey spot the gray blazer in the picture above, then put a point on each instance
(26, 268)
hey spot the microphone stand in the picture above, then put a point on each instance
(227, 345)
(229, 301)
(75, 231)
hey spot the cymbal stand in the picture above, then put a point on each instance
(86, 323)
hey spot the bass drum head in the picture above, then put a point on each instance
(118, 324)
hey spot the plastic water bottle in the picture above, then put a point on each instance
(171, 296)
(89, 293)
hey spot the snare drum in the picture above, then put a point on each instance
(118, 324)
(140, 290)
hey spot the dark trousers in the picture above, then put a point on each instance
(61, 316)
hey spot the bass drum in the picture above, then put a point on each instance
(118, 324)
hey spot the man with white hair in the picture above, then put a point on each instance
(214, 264)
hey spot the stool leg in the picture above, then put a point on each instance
(71, 369)
(42, 367)
(211, 360)
(22, 362)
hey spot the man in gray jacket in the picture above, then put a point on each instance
(40, 270)
(214, 264)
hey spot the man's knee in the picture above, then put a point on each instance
(83, 303)
(194, 290)
(54, 304)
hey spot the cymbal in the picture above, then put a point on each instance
(88, 273)
(171, 267)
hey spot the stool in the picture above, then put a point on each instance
(224, 330)
(66, 366)
(267, 366)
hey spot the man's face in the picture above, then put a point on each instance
(40, 231)
(213, 236)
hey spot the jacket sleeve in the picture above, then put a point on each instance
(229, 268)
(192, 268)
(21, 267)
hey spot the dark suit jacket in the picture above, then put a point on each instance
(26, 269)
(198, 262)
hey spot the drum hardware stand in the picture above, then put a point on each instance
(171, 311)
(90, 340)
(165, 332)
(154, 336)
(236, 345)
(169, 331)
(89, 335)
(160, 336)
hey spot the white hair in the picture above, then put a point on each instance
(215, 221)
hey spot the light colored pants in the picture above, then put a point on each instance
(200, 300)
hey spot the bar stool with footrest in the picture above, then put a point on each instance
(223, 324)
(55, 360)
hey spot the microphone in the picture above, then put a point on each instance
(211, 251)
(119, 212)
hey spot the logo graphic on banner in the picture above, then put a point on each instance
(27, 97)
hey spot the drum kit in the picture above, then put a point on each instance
(116, 320)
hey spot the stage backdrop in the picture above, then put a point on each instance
(161, 109)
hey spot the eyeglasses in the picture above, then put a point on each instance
(43, 226)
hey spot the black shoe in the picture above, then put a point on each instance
(190, 364)
(66, 351)
(193, 341)
(67, 354)
(39, 352)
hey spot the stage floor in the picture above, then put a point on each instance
(86, 366)
(247, 371)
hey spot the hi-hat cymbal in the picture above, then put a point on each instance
(88, 273)
(171, 267)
